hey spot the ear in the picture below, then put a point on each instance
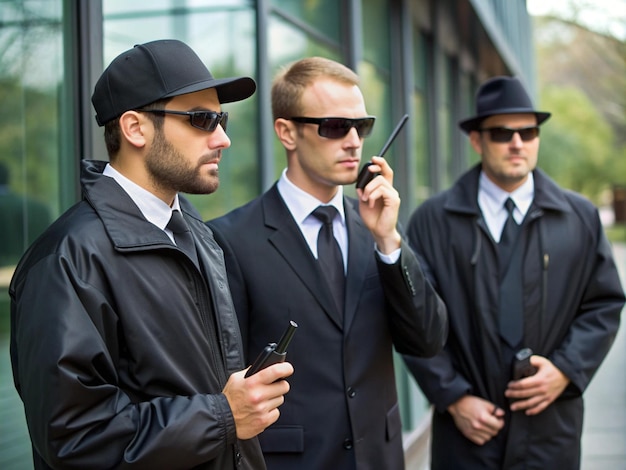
(286, 133)
(134, 128)
(476, 142)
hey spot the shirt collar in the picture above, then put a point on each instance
(152, 208)
(494, 196)
(301, 204)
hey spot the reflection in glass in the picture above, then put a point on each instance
(286, 45)
(31, 71)
(324, 16)
(31, 80)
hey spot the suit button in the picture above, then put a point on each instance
(351, 392)
(347, 444)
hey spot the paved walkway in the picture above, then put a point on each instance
(604, 430)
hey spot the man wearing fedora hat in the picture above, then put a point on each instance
(533, 298)
(125, 346)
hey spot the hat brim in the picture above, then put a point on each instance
(228, 90)
(473, 124)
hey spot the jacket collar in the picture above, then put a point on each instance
(462, 197)
(122, 219)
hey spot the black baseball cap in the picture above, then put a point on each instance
(156, 70)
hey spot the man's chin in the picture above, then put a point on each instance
(202, 188)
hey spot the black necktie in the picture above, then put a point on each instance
(182, 235)
(329, 254)
(511, 313)
(509, 234)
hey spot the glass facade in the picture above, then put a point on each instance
(32, 126)
(420, 57)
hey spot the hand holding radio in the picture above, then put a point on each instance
(273, 352)
(365, 176)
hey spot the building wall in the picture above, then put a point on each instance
(421, 57)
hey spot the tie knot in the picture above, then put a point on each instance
(325, 214)
(177, 224)
(509, 205)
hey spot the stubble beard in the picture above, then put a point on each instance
(168, 169)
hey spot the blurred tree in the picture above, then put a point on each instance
(582, 78)
(577, 144)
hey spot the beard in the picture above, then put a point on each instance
(168, 169)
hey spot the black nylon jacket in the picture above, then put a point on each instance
(119, 348)
(572, 303)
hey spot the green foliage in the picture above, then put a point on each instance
(578, 145)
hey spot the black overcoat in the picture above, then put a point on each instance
(572, 303)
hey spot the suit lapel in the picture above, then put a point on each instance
(289, 242)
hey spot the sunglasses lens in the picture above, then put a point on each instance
(336, 128)
(504, 134)
(209, 120)
(500, 134)
(364, 127)
(529, 133)
(223, 120)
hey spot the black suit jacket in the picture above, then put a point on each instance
(342, 409)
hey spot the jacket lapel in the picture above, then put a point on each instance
(289, 242)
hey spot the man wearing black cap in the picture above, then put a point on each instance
(533, 299)
(124, 341)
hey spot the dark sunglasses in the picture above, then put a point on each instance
(338, 127)
(205, 120)
(505, 134)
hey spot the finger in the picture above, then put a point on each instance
(535, 410)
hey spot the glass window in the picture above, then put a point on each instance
(444, 116)
(421, 143)
(376, 90)
(287, 44)
(31, 71)
(223, 36)
(322, 15)
(419, 149)
(31, 126)
(376, 39)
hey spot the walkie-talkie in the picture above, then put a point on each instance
(522, 366)
(273, 352)
(365, 176)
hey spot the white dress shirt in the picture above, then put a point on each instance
(301, 204)
(491, 200)
(152, 208)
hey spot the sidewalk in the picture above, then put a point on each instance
(604, 429)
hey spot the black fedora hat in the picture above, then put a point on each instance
(501, 95)
(156, 70)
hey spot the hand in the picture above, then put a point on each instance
(254, 401)
(379, 204)
(479, 420)
(535, 393)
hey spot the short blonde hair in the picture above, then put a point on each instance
(291, 81)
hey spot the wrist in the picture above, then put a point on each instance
(389, 244)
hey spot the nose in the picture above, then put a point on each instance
(218, 138)
(352, 138)
(516, 140)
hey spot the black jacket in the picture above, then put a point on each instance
(119, 348)
(342, 409)
(572, 303)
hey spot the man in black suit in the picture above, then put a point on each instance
(342, 411)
